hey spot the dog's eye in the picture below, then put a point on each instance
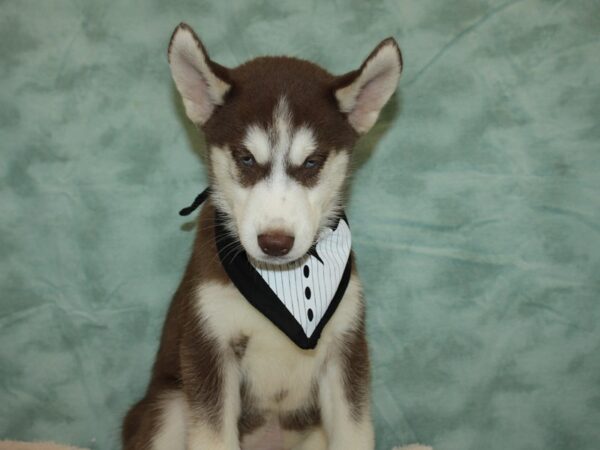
(247, 160)
(310, 163)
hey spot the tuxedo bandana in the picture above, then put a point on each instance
(299, 297)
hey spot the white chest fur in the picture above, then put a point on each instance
(272, 363)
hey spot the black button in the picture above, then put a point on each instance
(310, 314)
(306, 271)
(307, 293)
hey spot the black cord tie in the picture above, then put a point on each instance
(197, 202)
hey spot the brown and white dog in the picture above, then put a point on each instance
(280, 132)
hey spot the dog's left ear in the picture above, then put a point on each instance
(362, 94)
(201, 82)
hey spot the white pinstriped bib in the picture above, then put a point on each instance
(306, 287)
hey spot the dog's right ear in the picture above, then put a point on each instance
(202, 83)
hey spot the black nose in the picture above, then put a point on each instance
(275, 243)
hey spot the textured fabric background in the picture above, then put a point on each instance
(475, 209)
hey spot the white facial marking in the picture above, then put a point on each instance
(228, 195)
(303, 144)
(257, 143)
(327, 195)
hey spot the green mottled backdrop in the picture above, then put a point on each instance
(475, 209)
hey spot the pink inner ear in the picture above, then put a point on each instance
(364, 97)
(372, 96)
(194, 90)
(370, 99)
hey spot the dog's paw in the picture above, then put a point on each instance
(413, 447)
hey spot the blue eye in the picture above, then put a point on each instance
(247, 160)
(311, 164)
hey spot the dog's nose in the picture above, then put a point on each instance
(275, 243)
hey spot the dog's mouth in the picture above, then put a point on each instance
(277, 261)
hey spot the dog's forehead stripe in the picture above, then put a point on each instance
(280, 136)
(282, 127)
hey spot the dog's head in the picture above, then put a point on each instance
(279, 132)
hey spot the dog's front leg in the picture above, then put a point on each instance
(344, 399)
(211, 383)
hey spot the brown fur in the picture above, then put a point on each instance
(309, 177)
(307, 417)
(356, 368)
(239, 346)
(280, 396)
(257, 87)
(251, 418)
(249, 175)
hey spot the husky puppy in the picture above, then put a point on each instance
(280, 133)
